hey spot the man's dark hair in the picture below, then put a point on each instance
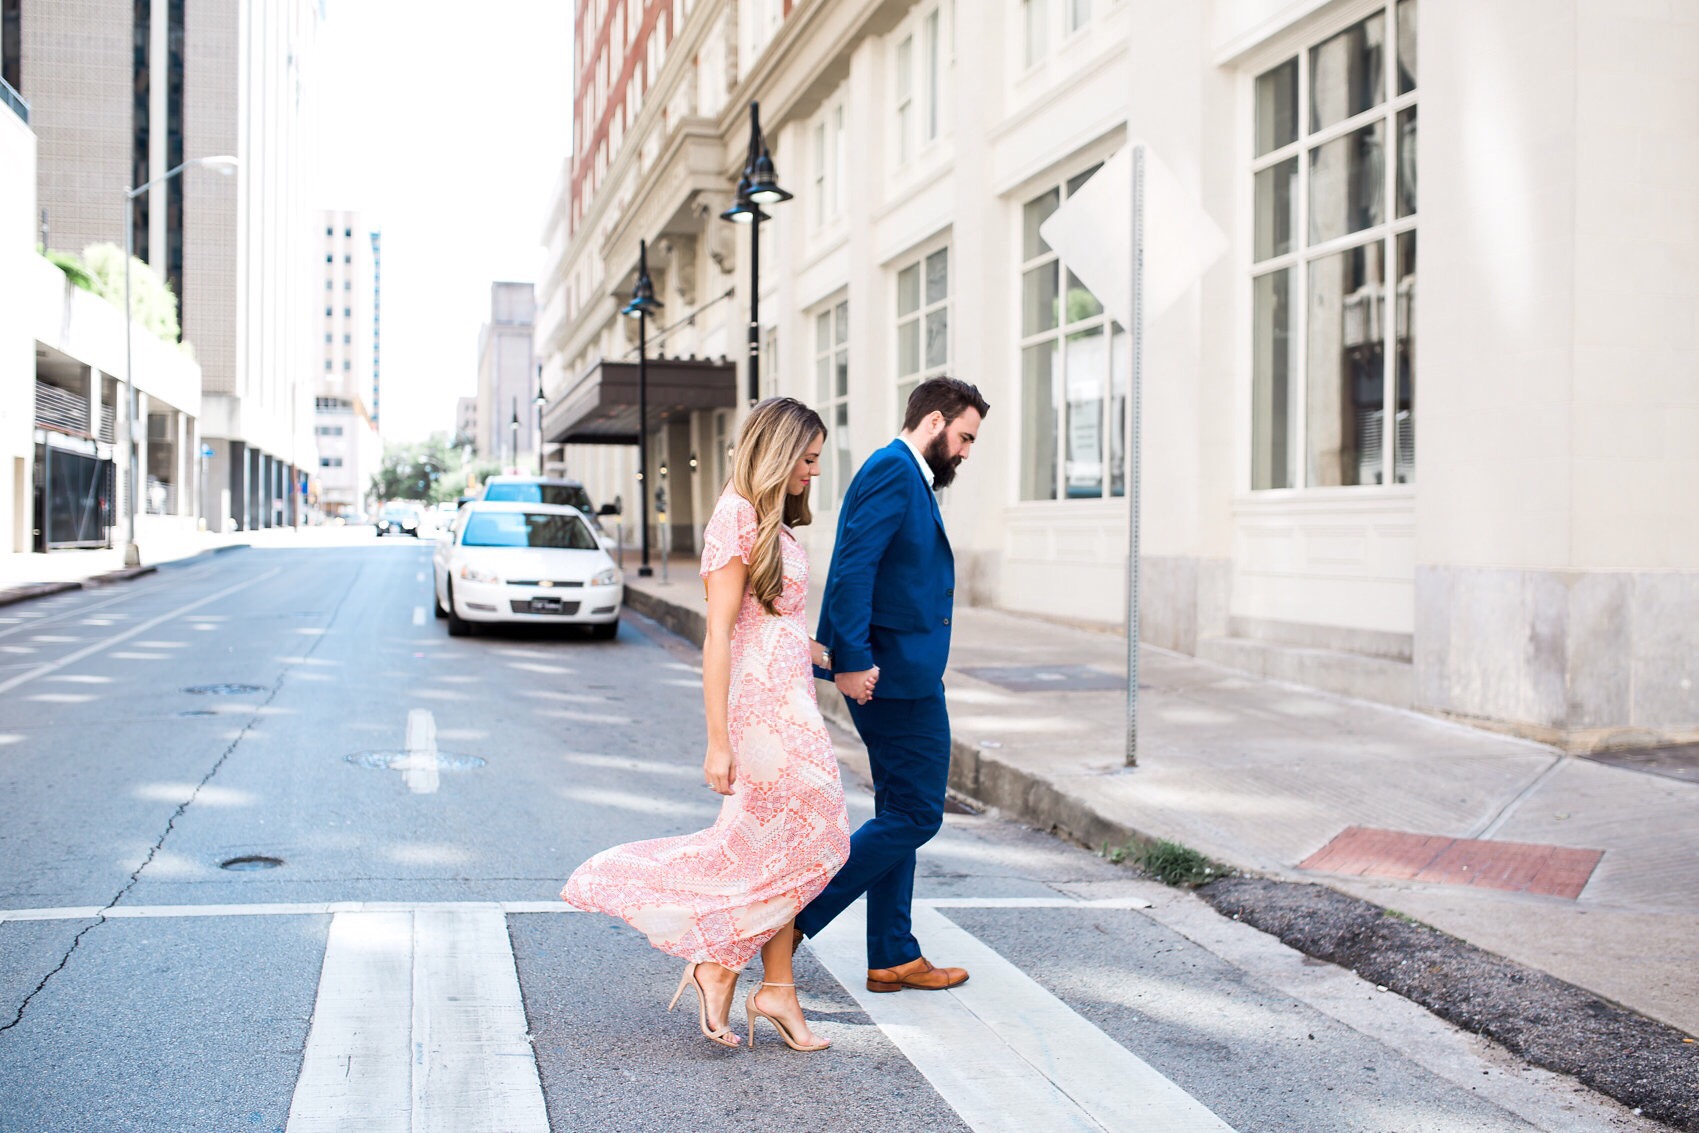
(950, 396)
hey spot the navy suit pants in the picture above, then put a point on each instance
(908, 748)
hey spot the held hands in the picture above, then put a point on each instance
(717, 768)
(857, 686)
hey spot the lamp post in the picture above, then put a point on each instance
(643, 304)
(513, 427)
(540, 401)
(226, 165)
(759, 185)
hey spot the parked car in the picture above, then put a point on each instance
(543, 490)
(398, 519)
(506, 561)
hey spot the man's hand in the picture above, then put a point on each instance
(717, 768)
(857, 686)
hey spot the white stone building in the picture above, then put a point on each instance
(349, 448)
(1506, 532)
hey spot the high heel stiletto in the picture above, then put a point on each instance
(784, 1030)
(721, 1037)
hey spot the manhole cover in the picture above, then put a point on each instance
(250, 861)
(224, 690)
(1053, 678)
(1677, 761)
(404, 760)
(197, 712)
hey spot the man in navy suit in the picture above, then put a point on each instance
(885, 622)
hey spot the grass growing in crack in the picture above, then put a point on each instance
(1167, 862)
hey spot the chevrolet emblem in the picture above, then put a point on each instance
(546, 582)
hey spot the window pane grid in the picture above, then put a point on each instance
(1343, 402)
(1073, 392)
(923, 320)
(831, 377)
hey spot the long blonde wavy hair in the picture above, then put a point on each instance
(774, 437)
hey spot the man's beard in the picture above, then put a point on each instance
(938, 459)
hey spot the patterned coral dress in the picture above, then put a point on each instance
(721, 893)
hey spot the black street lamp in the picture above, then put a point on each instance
(759, 185)
(540, 402)
(514, 427)
(643, 304)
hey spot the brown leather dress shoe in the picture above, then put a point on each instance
(918, 975)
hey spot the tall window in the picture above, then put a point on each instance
(1334, 182)
(831, 373)
(918, 66)
(11, 43)
(830, 144)
(1073, 372)
(1035, 18)
(923, 321)
(905, 100)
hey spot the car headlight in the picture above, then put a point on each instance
(606, 578)
(473, 574)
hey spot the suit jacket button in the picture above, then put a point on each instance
(950, 593)
(946, 621)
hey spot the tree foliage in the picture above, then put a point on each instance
(432, 470)
(152, 304)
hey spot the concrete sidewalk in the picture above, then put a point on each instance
(26, 575)
(1263, 775)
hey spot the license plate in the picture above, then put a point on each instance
(545, 605)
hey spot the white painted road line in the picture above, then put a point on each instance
(419, 1028)
(420, 768)
(73, 658)
(1003, 1052)
(418, 615)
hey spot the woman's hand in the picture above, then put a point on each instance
(717, 768)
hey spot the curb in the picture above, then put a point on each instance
(34, 590)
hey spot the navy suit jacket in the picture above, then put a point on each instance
(892, 582)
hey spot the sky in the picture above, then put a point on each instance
(446, 124)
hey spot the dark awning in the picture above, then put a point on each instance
(601, 408)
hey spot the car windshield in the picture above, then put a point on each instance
(569, 495)
(527, 529)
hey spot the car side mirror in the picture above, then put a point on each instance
(608, 509)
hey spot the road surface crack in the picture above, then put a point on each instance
(100, 918)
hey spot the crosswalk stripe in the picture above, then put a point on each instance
(419, 1027)
(1003, 1052)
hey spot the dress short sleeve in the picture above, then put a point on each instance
(730, 532)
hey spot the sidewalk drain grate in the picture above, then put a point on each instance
(250, 862)
(224, 690)
(1675, 761)
(1517, 867)
(1049, 678)
(401, 760)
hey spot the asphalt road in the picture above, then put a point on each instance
(407, 965)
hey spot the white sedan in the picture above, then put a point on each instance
(525, 562)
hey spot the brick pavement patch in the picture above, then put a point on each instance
(1518, 867)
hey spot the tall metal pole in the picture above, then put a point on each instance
(540, 401)
(643, 571)
(132, 553)
(1135, 371)
(754, 269)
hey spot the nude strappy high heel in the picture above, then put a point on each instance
(784, 1031)
(721, 1037)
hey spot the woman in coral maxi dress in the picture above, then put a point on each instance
(717, 897)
